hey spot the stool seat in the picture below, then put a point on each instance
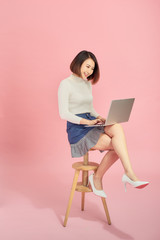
(89, 167)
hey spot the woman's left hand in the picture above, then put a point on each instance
(102, 119)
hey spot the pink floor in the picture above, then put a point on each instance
(33, 204)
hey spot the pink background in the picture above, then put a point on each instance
(38, 40)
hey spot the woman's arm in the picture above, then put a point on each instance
(63, 100)
(63, 103)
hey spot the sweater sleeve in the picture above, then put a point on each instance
(63, 100)
(93, 112)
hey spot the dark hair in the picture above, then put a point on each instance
(75, 65)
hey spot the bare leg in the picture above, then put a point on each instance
(118, 144)
(108, 160)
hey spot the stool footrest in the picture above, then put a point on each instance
(81, 188)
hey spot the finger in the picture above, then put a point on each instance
(98, 120)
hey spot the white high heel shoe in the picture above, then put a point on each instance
(136, 184)
(99, 193)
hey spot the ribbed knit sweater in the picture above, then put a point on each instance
(74, 97)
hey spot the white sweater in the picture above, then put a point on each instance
(75, 96)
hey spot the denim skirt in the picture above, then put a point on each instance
(82, 138)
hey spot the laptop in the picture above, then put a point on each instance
(119, 111)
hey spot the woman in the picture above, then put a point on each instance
(76, 106)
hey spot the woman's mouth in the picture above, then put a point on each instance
(86, 75)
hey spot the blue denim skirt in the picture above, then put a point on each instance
(82, 138)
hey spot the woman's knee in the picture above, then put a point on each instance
(113, 129)
(117, 127)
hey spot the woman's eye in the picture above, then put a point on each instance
(89, 67)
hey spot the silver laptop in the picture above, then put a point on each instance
(119, 111)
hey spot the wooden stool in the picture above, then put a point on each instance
(82, 187)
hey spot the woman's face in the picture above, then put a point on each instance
(87, 68)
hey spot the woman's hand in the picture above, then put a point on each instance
(95, 121)
(90, 122)
(102, 119)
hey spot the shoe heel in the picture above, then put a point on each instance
(125, 188)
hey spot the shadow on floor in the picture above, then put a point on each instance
(49, 190)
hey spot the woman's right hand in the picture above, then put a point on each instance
(90, 122)
(95, 121)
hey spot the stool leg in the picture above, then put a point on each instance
(82, 201)
(106, 210)
(71, 196)
(84, 182)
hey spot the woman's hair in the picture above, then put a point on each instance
(75, 65)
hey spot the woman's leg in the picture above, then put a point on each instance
(118, 144)
(120, 147)
(104, 143)
(108, 160)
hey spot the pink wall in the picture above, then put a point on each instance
(38, 40)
